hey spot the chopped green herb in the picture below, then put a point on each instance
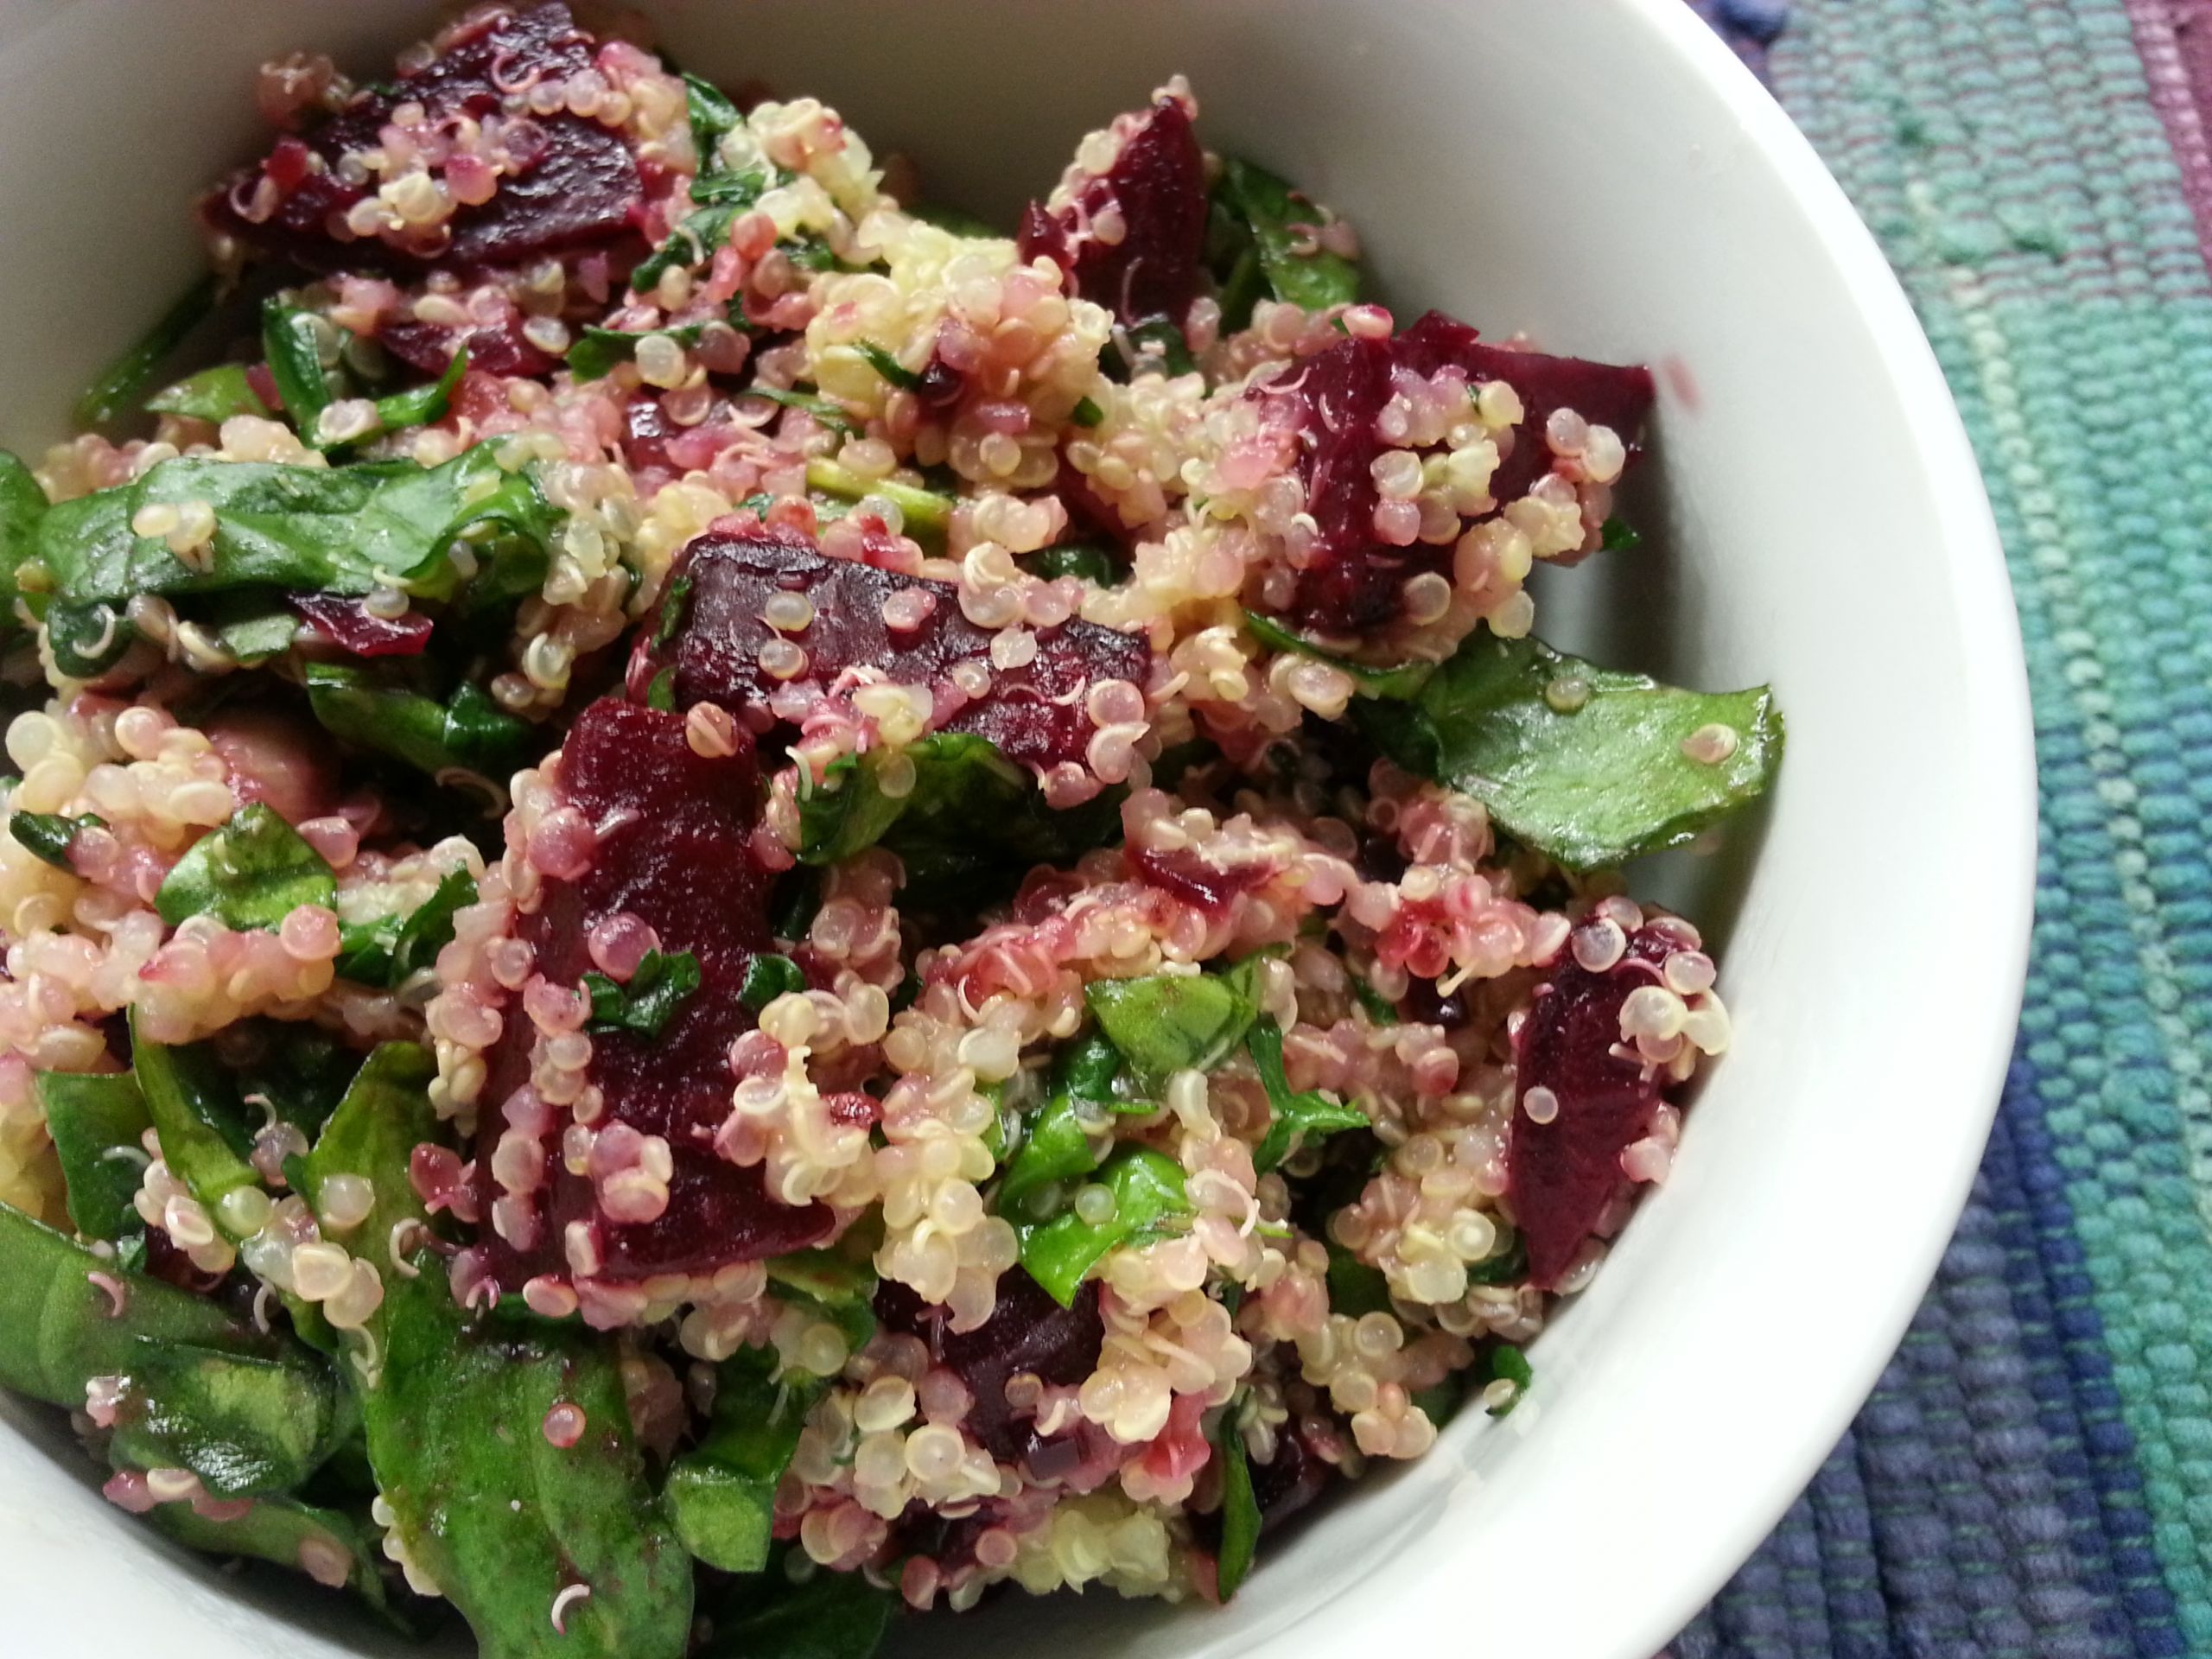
(1165, 1023)
(826, 413)
(1093, 564)
(643, 1007)
(673, 603)
(1285, 226)
(1380, 1009)
(1355, 1287)
(424, 404)
(1156, 345)
(288, 341)
(1508, 1365)
(1402, 682)
(1087, 413)
(392, 949)
(468, 734)
(1620, 535)
(660, 692)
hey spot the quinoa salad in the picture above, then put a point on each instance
(732, 905)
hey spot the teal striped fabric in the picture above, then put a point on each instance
(2033, 1476)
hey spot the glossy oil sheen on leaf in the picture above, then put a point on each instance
(1600, 783)
(1165, 1023)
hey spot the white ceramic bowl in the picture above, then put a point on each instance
(1605, 176)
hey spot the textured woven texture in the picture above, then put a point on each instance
(2034, 1475)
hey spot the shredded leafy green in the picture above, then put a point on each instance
(1586, 765)
(1165, 1023)
(1296, 267)
(1240, 1509)
(390, 950)
(1093, 564)
(1508, 1365)
(468, 733)
(120, 385)
(97, 1120)
(214, 395)
(1399, 683)
(424, 404)
(769, 977)
(289, 342)
(47, 835)
(721, 1494)
(252, 872)
(644, 1005)
(1296, 1118)
(1148, 1201)
(893, 371)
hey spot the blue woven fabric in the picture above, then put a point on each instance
(2033, 1476)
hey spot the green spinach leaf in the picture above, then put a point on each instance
(663, 984)
(288, 341)
(47, 835)
(1586, 765)
(1149, 1200)
(120, 385)
(721, 1495)
(1296, 268)
(390, 952)
(213, 395)
(468, 733)
(1240, 1509)
(252, 872)
(1399, 683)
(1165, 1023)
(98, 1121)
(1295, 1118)
(424, 404)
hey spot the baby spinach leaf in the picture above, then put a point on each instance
(59, 1329)
(767, 977)
(1295, 1118)
(503, 1520)
(23, 505)
(831, 1277)
(384, 1115)
(1165, 1023)
(288, 341)
(252, 872)
(1508, 1365)
(338, 530)
(1089, 1068)
(1149, 1198)
(1401, 683)
(123, 382)
(1086, 413)
(598, 350)
(1314, 279)
(213, 395)
(712, 114)
(468, 733)
(1093, 564)
(721, 1495)
(247, 1426)
(97, 1120)
(389, 951)
(1584, 764)
(1240, 1509)
(661, 985)
(47, 835)
(969, 811)
(1355, 1287)
(826, 1616)
(87, 640)
(423, 405)
(1619, 536)
(283, 1531)
(207, 1131)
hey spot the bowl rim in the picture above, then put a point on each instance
(1999, 726)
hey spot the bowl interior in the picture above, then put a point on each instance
(1601, 176)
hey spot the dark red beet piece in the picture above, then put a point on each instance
(1562, 1176)
(1334, 398)
(1158, 186)
(581, 189)
(1191, 878)
(674, 826)
(1027, 1332)
(1604, 394)
(1034, 713)
(347, 624)
(492, 349)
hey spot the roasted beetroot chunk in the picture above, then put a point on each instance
(1034, 711)
(673, 828)
(1563, 1174)
(1133, 236)
(564, 181)
(1027, 1332)
(1357, 581)
(493, 348)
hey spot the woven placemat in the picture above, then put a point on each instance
(2033, 1476)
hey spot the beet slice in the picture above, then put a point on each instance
(1157, 187)
(1604, 394)
(1562, 1176)
(1333, 398)
(493, 348)
(576, 185)
(1034, 712)
(349, 625)
(674, 827)
(1027, 1332)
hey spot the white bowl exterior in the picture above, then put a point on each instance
(1604, 176)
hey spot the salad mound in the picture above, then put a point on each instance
(730, 902)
